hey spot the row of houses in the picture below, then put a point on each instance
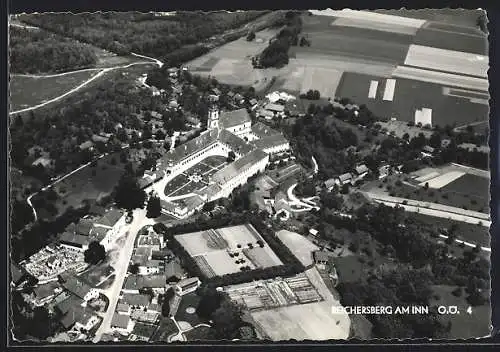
(358, 173)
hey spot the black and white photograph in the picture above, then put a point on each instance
(154, 155)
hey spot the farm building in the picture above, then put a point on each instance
(135, 301)
(277, 109)
(344, 179)
(361, 170)
(330, 183)
(267, 114)
(79, 318)
(187, 286)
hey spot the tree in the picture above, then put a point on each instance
(230, 156)
(128, 194)
(134, 268)
(154, 207)
(227, 320)
(250, 36)
(95, 253)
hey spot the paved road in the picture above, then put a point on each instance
(121, 267)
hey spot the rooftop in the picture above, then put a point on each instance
(262, 130)
(173, 269)
(321, 256)
(110, 218)
(234, 118)
(73, 239)
(45, 290)
(71, 301)
(274, 107)
(187, 282)
(120, 321)
(190, 147)
(122, 307)
(133, 299)
(361, 169)
(270, 141)
(237, 144)
(136, 282)
(230, 171)
(77, 287)
(76, 314)
(345, 177)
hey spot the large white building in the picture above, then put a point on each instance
(229, 131)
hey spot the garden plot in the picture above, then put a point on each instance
(196, 243)
(300, 246)
(239, 235)
(221, 263)
(262, 257)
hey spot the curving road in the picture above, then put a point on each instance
(113, 292)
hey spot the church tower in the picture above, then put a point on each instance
(213, 118)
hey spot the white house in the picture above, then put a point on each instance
(187, 286)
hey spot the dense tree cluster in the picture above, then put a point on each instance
(61, 129)
(128, 194)
(313, 136)
(311, 95)
(143, 33)
(95, 253)
(153, 207)
(276, 54)
(53, 53)
(31, 323)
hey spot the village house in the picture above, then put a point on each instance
(79, 288)
(344, 179)
(151, 267)
(186, 286)
(268, 115)
(330, 183)
(313, 232)
(135, 283)
(113, 221)
(253, 104)
(136, 301)
(79, 318)
(43, 294)
(276, 109)
(173, 272)
(361, 171)
(122, 323)
(123, 308)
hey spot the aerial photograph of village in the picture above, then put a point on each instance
(273, 175)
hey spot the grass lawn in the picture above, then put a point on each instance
(165, 329)
(189, 300)
(144, 330)
(463, 325)
(30, 91)
(475, 186)
(199, 334)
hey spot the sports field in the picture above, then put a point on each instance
(227, 250)
(194, 178)
(410, 95)
(27, 91)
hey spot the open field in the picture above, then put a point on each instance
(300, 246)
(473, 185)
(410, 95)
(26, 91)
(447, 60)
(456, 38)
(377, 25)
(442, 78)
(212, 248)
(463, 325)
(379, 17)
(312, 321)
(455, 17)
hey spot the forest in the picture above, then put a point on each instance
(143, 33)
(53, 53)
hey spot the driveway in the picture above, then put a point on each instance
(121, 265)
